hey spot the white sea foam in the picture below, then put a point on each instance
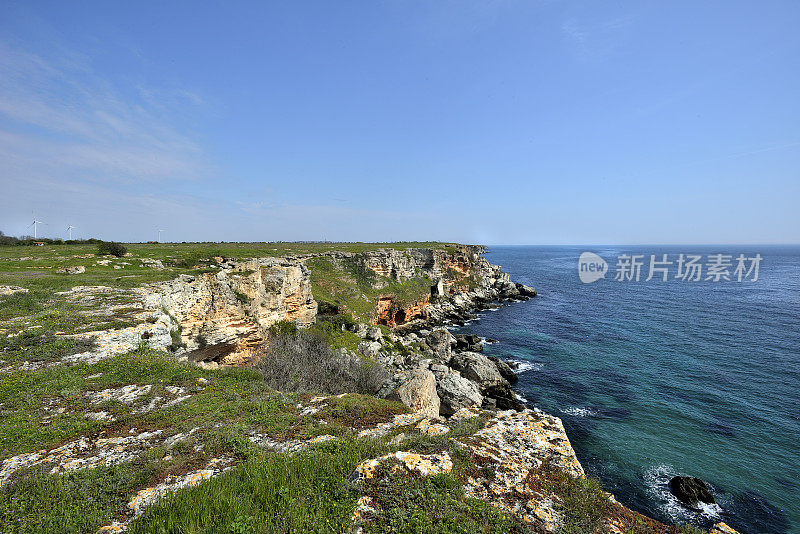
(657, 479)
(524, 365)
(577, 411)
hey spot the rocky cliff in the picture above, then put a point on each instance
(225, 313)
(459, 280)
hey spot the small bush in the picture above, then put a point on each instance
(304, 361)
(177, 341)
(111, 248)
(283, 328)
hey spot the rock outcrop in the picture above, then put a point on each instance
(416, 389)
(392, 312)
(78, 269)
(455, 392)
(10, 290)
(461, 280)
(690, 490)
(237, 304)
(520, 446)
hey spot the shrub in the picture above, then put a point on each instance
(304, 361)
(282, 328)
(112, 248)
(177, 341)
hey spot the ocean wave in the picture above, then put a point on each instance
(524, 365)
(577, 411)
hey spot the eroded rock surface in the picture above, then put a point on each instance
(237, 304)
(516, 445)
(416, 389)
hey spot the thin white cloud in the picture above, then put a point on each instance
(58, 113)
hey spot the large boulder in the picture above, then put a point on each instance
(455, 391)
(508, 290)
(505, 370)
(469, 342)
(478, 368)
(690, 490)
(374, 334)
(416, 389)
(440, 341)
(501, 397)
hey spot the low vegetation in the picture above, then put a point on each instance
(303, 360)
(270, 493)
(352, 288)
(112, 249)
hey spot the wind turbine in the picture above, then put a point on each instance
(159, 235)
(69, 230)
(34, 223)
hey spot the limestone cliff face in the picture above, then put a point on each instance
(391, 312)
(461, 277)
(231, 309)
(234, 306)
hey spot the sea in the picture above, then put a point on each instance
(655, 378)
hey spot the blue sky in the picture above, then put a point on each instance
(521, 122)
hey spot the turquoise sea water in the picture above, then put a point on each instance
(654, 379)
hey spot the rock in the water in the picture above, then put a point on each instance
(455, 391)
(416, 389)
(526, 291)
(691, 490)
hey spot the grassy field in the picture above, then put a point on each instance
(47, 407)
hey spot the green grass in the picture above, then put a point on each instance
(437, 504)
(269, 493)
(237, 396)
(355, 289)
(81, 501)
(34, 269)
(36, 345)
